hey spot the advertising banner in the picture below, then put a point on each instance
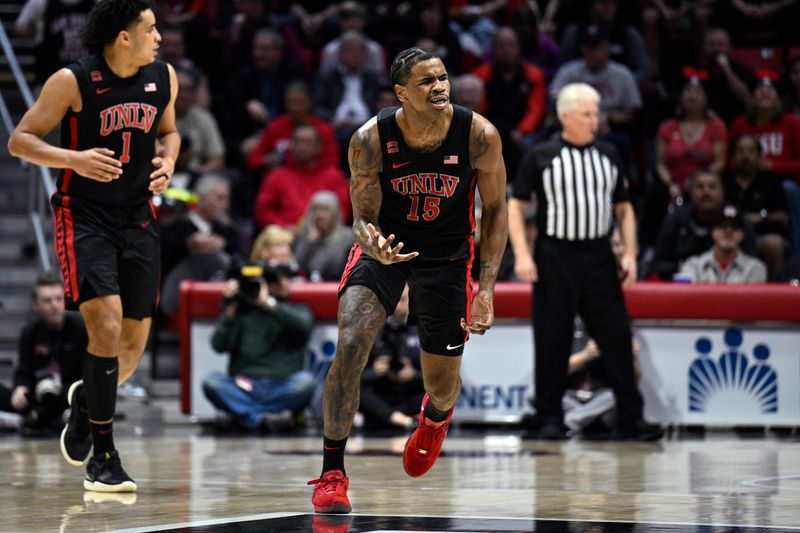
(725, 375)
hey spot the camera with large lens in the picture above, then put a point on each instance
(273, 272)
(48, 386)
(250, 277)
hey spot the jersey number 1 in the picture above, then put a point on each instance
(126, 147)
(430, 209)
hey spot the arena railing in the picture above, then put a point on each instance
(39, 190)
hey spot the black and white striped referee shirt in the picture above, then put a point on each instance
(576, 188)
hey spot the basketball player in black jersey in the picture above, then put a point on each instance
(414, 171)
(114, 106)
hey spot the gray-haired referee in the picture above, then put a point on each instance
(580, 187)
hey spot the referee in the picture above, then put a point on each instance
(580, 187)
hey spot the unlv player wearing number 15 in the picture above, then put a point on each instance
(414, 171)
(114, 106)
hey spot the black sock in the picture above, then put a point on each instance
(433, 414)
(333, 454)
(102, 438)
(100, 385)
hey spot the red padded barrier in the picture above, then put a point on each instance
(646, 300)
(744, 303)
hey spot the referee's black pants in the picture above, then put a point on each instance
(580, 277)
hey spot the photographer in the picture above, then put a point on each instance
(51, 349)
(265, 386)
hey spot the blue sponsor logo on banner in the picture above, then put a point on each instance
(488, 397)
(732, 381)
(320, 357)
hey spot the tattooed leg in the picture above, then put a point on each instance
(361, 317)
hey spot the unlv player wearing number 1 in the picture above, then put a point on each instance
(114, 107)
(414, 172)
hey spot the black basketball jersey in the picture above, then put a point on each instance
(428, 198)
(121, 115)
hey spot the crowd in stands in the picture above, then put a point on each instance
(700, 98)
(270, 93)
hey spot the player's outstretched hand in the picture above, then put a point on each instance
(380, 248)
(482, 314)
(97, 164)
(159, 179)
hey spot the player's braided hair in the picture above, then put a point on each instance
(109, 17)
(405, 60)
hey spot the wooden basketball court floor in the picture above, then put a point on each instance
(193, 481)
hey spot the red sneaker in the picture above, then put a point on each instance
(423, 447)
(330, 493)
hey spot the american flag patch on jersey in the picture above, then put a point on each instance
(391, 147)
(150, 87)
(96, 75)
(451, 160)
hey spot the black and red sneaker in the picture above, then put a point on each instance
(76, 438)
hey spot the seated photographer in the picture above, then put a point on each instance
(391, 385)
(266, 336)
(51, 348)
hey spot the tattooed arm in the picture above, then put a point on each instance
(365, 159)
(486, 157)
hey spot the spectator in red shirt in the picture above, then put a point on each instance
(778, 132)
(692, 141)
(272, 146)
(516, 94)
(286, 190)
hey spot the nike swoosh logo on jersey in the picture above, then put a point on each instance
(449, 347)
(145, 224)
(101, 91)
(398, 165)
(109, 372)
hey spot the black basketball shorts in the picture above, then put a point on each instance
(105, 251)
(440, 295)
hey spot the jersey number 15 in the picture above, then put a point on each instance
(430, 208)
